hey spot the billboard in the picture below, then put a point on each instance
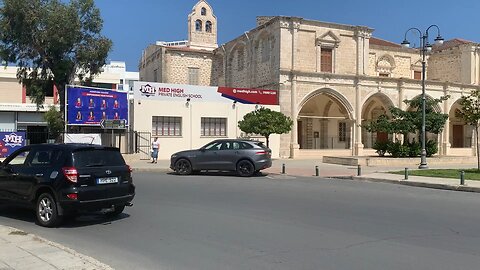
(89, 106)
(10, 142)
(178, 92)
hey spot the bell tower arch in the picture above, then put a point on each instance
(202, 27)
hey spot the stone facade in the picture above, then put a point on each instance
(368, 75)
(332, 79)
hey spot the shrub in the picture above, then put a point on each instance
(431, 147)
(415, 149)
(396, 149)
(381, 147)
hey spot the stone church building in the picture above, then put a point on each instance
(331, 78)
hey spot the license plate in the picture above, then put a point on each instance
(107, 180)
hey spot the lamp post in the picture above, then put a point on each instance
(425, 47)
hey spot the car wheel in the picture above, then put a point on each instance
(183, 167)
(117, 211)
(245, 168)
(46, 210)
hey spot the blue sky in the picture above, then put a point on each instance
(134, 24)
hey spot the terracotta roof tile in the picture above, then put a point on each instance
(381, 42)
(451, 43)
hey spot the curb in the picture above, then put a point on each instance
(412, 183)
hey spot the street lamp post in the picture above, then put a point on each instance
(425, 47)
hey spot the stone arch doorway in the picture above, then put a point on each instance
(461, 134)
(325, 121)
(375, 106)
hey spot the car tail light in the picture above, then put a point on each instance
(261, 153)
(72, 196)
(70, 173)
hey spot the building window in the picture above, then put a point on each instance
(166, 126)
(342, 131)
(208, 26)
(204, 11)
(240, 60)
(213, 126)
(383, 74)
(417, 75)
(198, 25)
(155, 75)
(326, 58)
(193, 76)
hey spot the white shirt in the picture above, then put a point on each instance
(155, 145)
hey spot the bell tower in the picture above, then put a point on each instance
(202, 27)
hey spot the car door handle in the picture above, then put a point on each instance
(39, 174)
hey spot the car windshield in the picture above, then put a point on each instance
(97, 158)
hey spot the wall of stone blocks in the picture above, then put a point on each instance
(446, 66)
(178, 62)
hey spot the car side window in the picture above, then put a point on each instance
(20, 159)
(226, 146)
(236, 145)
(214, 146)
(244, 145)
(44, 157)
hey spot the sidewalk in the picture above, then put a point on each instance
(20, 250)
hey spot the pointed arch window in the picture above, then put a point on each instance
(203, 11)
(198, 25)
(208, 26)
(240, 59)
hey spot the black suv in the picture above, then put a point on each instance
(60, 180)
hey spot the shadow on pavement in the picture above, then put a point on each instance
(82, 220)
(219, 173)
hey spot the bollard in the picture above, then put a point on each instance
(317, 172)
(359, 170)
(283, 168)
(462, 178)
(406, 174)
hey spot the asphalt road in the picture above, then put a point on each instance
(227, 222)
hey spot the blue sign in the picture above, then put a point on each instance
(89, 106)
(11, 141)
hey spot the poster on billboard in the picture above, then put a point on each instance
(10, 142)
(89, 106)
(180, 92)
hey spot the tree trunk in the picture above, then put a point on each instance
(268, 141)
(61, 97)
(478, 150)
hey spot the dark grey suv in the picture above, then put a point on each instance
(59, 180)
(246, 157)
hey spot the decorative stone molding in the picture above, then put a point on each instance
(328, 40)
(385, 64)
(363, 32)
(284, 24)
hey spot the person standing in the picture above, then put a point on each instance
(155, 148)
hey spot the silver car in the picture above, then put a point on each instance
(246, 157)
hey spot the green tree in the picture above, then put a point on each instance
(52, 41)
(470, 113)
(54, 122)
(410, 121)
(265, 122)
